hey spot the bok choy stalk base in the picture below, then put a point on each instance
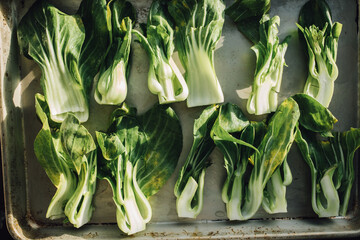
(164, 77)
(321, 37)
(199, 26)
(139, 154)
(67, 153)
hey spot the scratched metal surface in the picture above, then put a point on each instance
(28, 190)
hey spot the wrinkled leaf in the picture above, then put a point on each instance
(246, 14)
(313, 115)
(97, 39)
(76, 140)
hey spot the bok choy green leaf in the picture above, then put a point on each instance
(246, 14)
(139, 154)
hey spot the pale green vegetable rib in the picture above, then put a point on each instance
(275, 192)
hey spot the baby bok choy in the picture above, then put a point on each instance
(189, 187)
(67, 153)
(330, 157)
(270, 61)
(111, 87)
(251, 19)
(253, 152)
(164, 77)
(94, 15)
(199, 26)
(139, 153)
(321, 41)
(54, 40)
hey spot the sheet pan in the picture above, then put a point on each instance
(28, 190)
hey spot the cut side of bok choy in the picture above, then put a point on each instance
(164, 77)
(138, 155)
(262, 30)
(54, 41)
(330, 156)
(255, 156)
(320, 36)
(67, 153)
(198, 27)
(111, 86)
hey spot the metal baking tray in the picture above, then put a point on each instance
(28, 190)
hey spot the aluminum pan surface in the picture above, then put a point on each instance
(28, 190)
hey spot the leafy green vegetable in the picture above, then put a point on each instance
(53, 40)
(321, 36)
(198, 29)
(67, 153)
(314, 116)
(111, 87)
(189, 186)
(252, 153)
(94, 15)
(270, 61)
(246, 14)
(69, 50)
(251, 19)
(164, 78)
(330, 159)
(139, 154)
